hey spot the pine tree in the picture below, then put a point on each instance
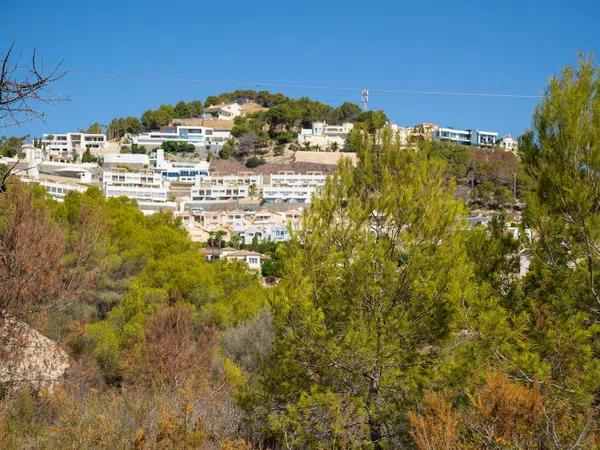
(368, 294)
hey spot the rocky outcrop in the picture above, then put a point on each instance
(29, 358)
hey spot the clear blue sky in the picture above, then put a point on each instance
(503, 46)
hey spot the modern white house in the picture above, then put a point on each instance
(466, 137)
(64, 144)
(199, 136)
(180, 171)
(325, 136)
(224, 111)
(452, 135)
(483, 138)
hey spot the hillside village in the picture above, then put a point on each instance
(244, 170)
(258, 270)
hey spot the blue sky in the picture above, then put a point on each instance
(466, 46)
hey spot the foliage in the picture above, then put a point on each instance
(153, 119)
(121, 126)
(227, 150)
(177, 147)
(393, 325)
(499, 413)
(94, 128)
(368, 291)
(134, 148)
(253, 162)
(9, 147)
(191, 109)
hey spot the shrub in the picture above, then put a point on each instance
(254, 161)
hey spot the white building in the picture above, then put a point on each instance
(205, 192)
(452, 135)
(64, 144)
(239, 179)
(483, 138)
(129, 175)
(181, 171)
(130, 161)
(224, 111)
(509, 144)
(56, 189)
(266, 232)
(144, 185)
(325, 136)
(290, 178)
(466, 137)
(252, 259)
(288, 194)
(199, 136)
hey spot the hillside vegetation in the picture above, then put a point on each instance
(394, 325)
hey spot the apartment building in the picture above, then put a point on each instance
(62, 146)
(325, 136)
(129, 175)
(199, 136)
(239, 179)
(57, 189)
(205, 192)
(290, 178)
(288, 194)
(262, 225)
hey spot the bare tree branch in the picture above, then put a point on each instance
(21, 87)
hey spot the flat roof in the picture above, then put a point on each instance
(126, 158)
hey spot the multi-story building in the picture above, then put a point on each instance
(205, 192)
(239, 179)
(129, 175)
(290, 178)
(325, 136)
(58, 189)
(288, 194)
(64, 144)
(199, 136)
(180, 171)
(466, 137)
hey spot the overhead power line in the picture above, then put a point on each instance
(273, 84)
